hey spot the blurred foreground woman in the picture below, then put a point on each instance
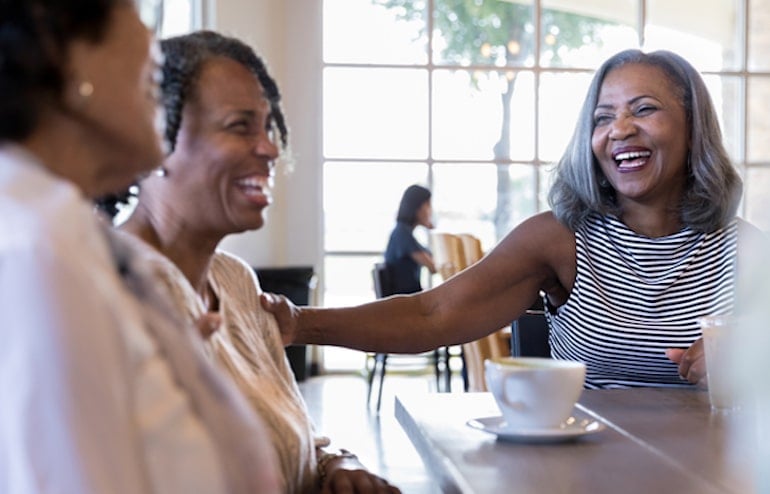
(103, 390)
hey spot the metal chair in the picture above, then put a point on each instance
(382, 288)
(529, 333)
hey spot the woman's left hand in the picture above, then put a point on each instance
(692, 362)
(350, 477)
(208, 324)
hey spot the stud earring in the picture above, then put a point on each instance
(85, 89)
(161, 171)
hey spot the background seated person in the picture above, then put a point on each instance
(404, 255)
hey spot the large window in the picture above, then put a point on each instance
(171, 17)
(477, 98)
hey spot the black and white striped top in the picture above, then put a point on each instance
(635, 296)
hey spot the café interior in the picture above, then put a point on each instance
(381, 94)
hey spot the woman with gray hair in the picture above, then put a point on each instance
(642, 241)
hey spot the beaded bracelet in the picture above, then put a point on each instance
(324, 460)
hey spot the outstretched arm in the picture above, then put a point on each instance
(472, 304)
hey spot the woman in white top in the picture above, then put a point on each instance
(103, 390)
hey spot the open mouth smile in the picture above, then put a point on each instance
(256, 187)
(631, 160)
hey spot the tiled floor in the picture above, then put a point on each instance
(337, 403)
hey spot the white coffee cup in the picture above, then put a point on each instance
(534, 392)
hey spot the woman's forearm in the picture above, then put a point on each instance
(398, 324)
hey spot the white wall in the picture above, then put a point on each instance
(287, 34)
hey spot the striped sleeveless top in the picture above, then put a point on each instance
(635, 296)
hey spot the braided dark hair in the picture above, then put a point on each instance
(34, 37)
(185, 57)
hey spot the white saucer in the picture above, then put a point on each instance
(571, 429)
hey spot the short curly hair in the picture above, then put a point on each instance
(34, 36)
(713, 189)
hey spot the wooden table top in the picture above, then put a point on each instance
(655, 441)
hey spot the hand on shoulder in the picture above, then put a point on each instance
(285, 312)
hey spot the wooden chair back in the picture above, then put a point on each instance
(471, 248)
(448, 254)
(493, 345)
(452, 253)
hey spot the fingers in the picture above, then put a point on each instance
(692, 362)
(268, 301)
(357, 482)
(208, 324)
(275, 303)
(697, 373)
(283, 310)
(675, 354)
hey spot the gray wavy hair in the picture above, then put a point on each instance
(713, 188)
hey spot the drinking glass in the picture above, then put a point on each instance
(717, 333)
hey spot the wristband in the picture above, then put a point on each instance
(324, 460)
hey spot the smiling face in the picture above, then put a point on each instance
(641, 137)
(221, 172)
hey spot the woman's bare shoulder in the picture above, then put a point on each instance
(549, 245)
(547, 219)
(541, 243)
(543, 231)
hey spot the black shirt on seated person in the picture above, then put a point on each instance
(403, 269)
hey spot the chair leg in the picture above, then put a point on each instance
(383, 361)
(370, 377)
(464, 371)
(447, 371)
(437, 368)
